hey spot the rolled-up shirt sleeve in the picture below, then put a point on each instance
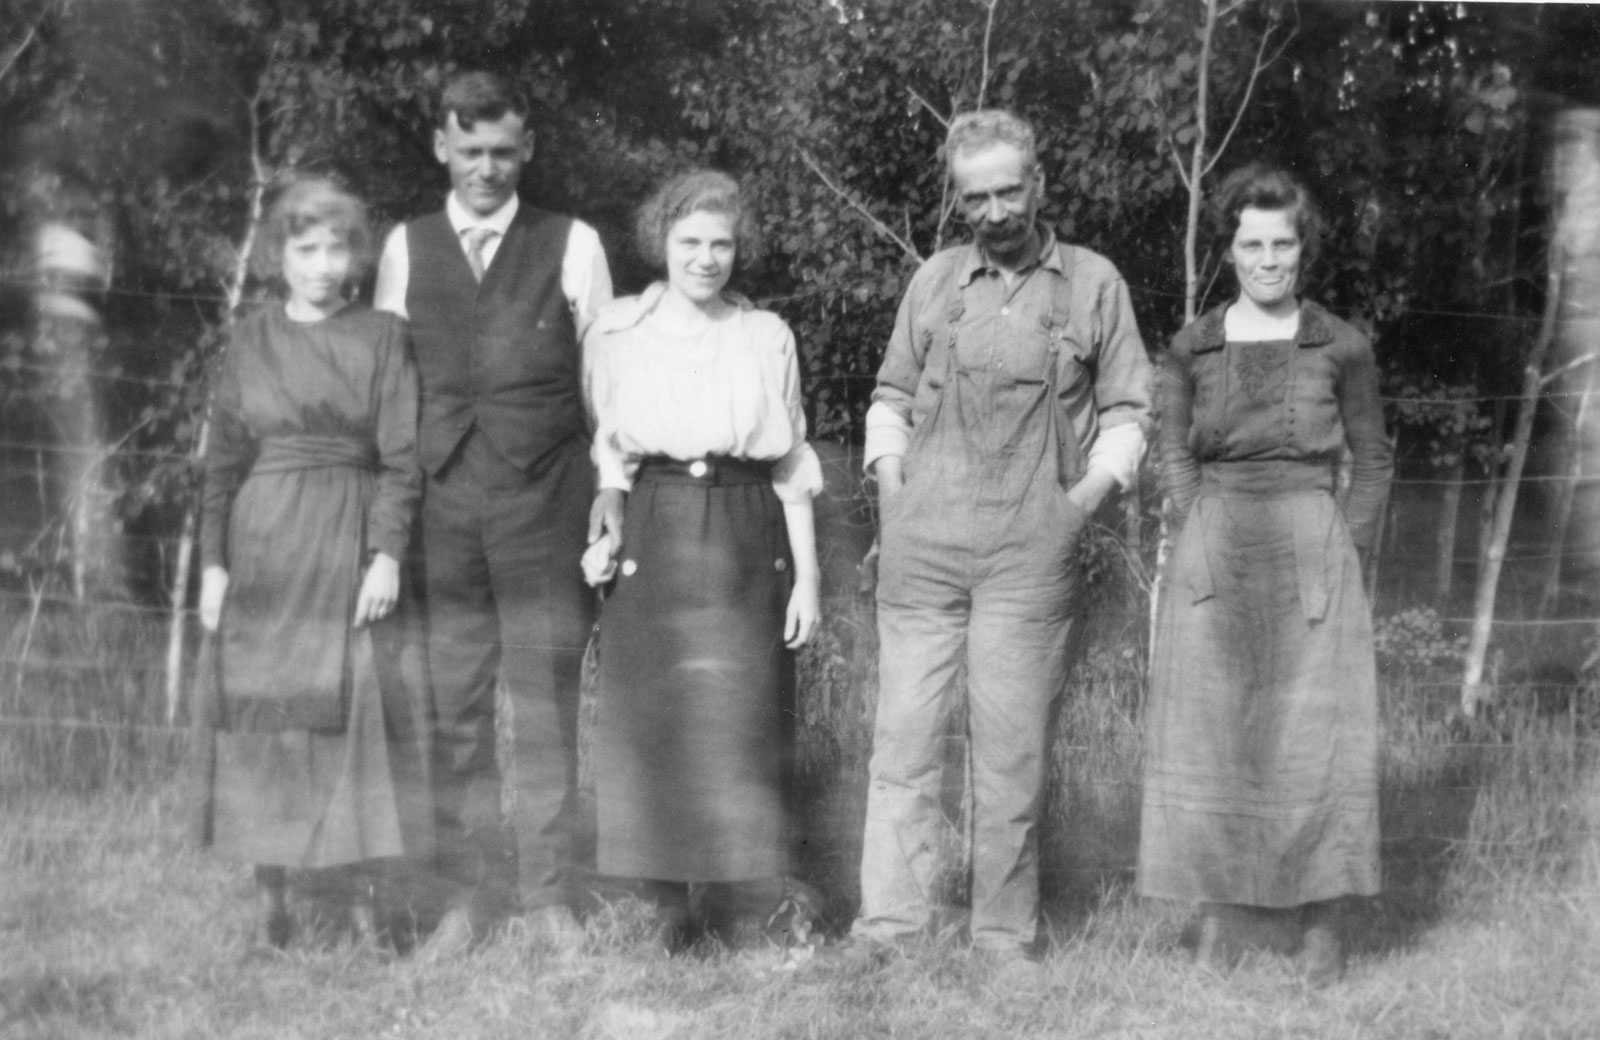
(888, 422)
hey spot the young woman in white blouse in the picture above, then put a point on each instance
(696, 400)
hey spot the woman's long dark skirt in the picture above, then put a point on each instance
(695, 736)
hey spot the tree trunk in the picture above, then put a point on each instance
(1505, 502)
(1191, 259)
(177, 625)
(1561, 511)
(1445, 537)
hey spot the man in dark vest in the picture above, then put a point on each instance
(498, 295)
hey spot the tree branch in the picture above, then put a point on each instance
(1249, 88)
(944, 121)
(850, 200)
(1555, 374)
(27, 41)
(1177, 160)
(988, 31)
(1197, 168)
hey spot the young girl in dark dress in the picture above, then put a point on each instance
(313, 690)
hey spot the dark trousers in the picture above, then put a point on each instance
(507, 606)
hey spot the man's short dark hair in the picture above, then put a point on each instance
(480, 95)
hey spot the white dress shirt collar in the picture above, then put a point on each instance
(462, 218)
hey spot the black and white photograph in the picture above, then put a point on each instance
(779, 519)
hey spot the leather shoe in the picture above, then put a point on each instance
(854, 955)
(1014, 971)
(276, 924)
(1221, 945)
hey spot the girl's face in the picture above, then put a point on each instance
(1266, 256)
(316, 264)
(700, 252)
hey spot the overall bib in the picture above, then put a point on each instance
(979, 566)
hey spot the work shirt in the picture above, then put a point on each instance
(1102, 370)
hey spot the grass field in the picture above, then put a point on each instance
(113, 924)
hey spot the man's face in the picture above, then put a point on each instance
(484, 162)
(998, 194)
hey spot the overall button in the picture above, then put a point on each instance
(698, 468)
(629, 567)
(780, 565)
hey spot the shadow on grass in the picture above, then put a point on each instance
(48, 1005)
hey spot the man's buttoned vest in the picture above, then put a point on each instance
(501, 355)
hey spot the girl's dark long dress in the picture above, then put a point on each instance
(1261, 772)
(313, 729)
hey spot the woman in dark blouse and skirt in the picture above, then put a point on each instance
(1261, 775)
(312, 690)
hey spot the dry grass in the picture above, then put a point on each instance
(112, 926)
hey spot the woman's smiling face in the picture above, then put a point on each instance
(700, 252)
(1266, 256)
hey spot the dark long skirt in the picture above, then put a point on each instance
(325, 791)
(1261, 772)
(694, 739)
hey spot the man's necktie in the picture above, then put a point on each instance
(475, 240)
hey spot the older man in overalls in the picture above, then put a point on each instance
(1013, 397)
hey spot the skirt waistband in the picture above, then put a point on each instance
(1274, 478)
(710, 470)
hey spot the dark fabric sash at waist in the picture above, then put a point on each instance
(711, 470)
(288, 454)
(1269, 478)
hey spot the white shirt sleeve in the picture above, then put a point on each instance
(797, 476)
(888, 433)
(585, 276)
(610, 461)
(394, 273)
(1117, 450)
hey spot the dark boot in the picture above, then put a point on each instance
(272, 900)
(361, 905)
(1221, 937)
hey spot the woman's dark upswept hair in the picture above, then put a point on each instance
(307, 201)
(711, 191)
(1264, 186)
